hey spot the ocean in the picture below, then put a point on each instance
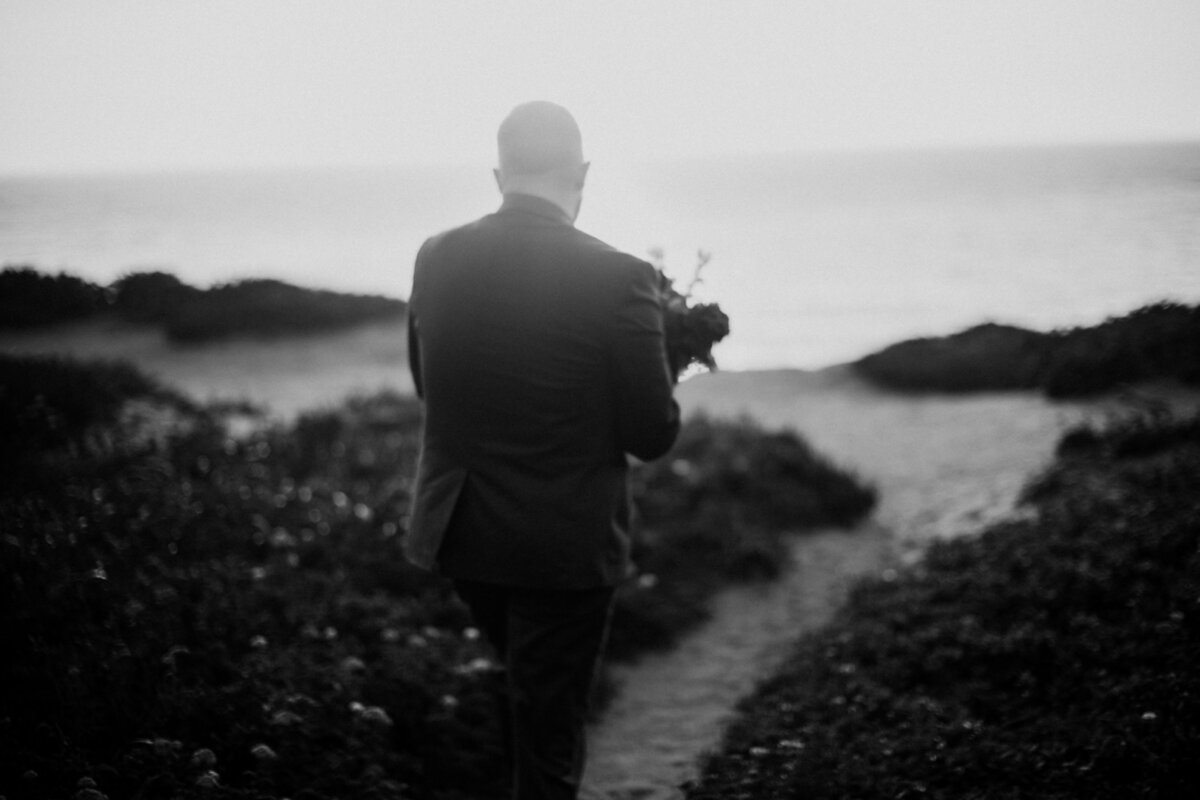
(818, 258)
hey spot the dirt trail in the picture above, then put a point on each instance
(944, 466)
(672, 706)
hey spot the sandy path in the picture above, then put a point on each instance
(672, 706)
(944, 466)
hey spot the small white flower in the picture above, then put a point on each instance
(474, 667)
(377, 715)
(353, 664)
(209, 780)
(286, 718)
(263, 752)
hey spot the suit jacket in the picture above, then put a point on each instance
(539, 353)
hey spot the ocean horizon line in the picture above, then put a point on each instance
(80, 172)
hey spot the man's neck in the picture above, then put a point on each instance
(551, 188)
(522, 201)
(568, 204)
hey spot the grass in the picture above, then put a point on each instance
(1052, 656)
(194, 607)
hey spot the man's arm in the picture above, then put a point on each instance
(414, 352)
(647, 414)
(414, 328)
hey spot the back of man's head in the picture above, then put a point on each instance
(538, 138)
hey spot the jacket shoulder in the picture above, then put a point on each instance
(621, 265)
(439, 240)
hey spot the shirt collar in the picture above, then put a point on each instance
(529, 204)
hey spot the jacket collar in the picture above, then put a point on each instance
(528, 204)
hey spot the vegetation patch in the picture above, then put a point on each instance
(1049, 657)
(260, 307)
(1158, 341)
(29, 298)
(194, 607)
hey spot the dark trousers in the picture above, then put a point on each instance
(550, 642)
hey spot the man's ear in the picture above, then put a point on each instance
(583, 171)
(499, 176)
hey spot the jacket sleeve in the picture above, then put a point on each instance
(413, 329)
(414, 353)
(647, 413)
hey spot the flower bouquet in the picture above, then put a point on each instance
(691, 328)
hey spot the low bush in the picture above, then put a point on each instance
(151, 297)
(986, 357)
(1049, 657)
(47, 403)
(1158, 341)
(30, 299)
(194, 607)
(1154, 342)
(273, 308)
(187, 314)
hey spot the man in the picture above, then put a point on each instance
(539, 353)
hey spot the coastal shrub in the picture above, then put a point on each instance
(187, 314)
(985, 357)
(151, 297)
(1158, 341)
(273, 308)
(193, 606)
(48, 402)
(29, 298)
(1052, 656)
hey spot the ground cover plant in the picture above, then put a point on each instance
(1054, 656)
(195, 603)
(186, 313)
(1157, 341)
(29, 298)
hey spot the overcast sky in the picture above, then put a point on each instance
(164, 84)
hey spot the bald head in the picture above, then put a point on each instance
(541, 154)
(539, 137)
